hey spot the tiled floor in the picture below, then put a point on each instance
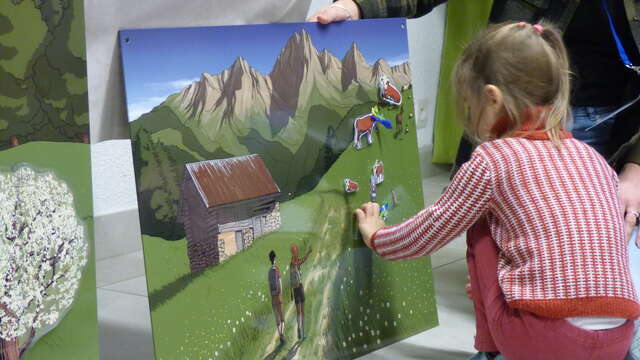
(123, 308)
(125, 324)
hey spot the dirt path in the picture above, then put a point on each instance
(320, 268)
(312, 277)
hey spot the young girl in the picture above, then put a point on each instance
(547, 255)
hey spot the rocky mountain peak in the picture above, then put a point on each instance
(354, 67)
(354, 55)
(328, 61)
(299, 43)
(381, 64)
(241, 92)
(240, 64)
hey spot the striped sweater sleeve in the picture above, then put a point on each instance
(465, 200)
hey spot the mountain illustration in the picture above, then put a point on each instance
(298, 118)
(241, 97)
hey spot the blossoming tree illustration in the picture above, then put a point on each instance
(43, 251)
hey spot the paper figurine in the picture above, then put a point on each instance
(384, 211)
(388, 92)
(378, 171)
(350, 186)
(373, 189)
(366, 124)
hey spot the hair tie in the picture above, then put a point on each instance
(538, 28)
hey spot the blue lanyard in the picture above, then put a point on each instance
(627, 63)
(621, 51)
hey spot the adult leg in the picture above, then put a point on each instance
(465, 149)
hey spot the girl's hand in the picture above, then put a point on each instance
(369, 221)
(341, 10)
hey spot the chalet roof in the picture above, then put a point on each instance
(230, 180)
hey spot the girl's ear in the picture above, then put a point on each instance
(493, 95)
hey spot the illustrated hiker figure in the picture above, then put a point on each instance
(275, 288)
(297, 290)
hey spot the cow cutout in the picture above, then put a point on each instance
(388, 92)
(365, 125)
(350, 186)
(378, 171)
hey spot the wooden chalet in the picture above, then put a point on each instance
(225, 204)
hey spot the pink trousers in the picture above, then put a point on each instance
(520, 335)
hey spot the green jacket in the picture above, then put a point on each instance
(626, 135)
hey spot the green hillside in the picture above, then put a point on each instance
(163, 143)
(356, 302)
(76, 337)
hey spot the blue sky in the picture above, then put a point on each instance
(159, 62)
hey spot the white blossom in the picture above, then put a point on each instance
(43, 250)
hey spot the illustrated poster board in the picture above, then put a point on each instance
(253, 139)
(47, 265)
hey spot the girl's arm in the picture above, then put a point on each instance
(464, 201)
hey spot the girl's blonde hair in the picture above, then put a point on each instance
(530, 66)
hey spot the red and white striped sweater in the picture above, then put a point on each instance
(555, 216)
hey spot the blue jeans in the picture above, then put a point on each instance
(599, 136)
